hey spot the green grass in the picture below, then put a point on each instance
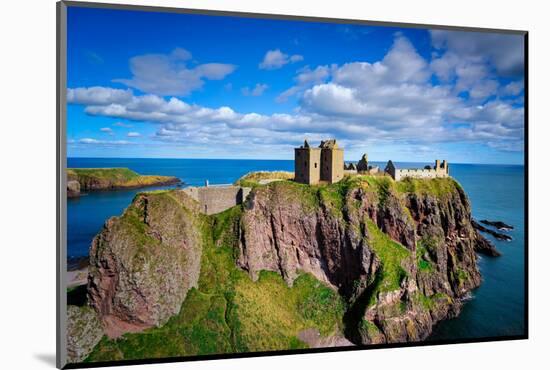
(119, 174)
(438, 187)
(461, 276)
(332, 198)
(252, 179)
(370, 328)
(225, 226)
(289, 191)
(113, 177)
(391, 255)
(422, 262)
(229, 312)
(429, 303)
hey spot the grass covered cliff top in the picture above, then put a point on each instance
(382, 183)
(253, 179)
(104, 178)
(121, 174)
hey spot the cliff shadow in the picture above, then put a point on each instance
(354, 314)
(77, 296)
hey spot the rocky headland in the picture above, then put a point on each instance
(367, 260)
(95, 179)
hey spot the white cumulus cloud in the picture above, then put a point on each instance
(275, 59)
(169, 74)
(257, 90)
(384, 102)
(91, 141)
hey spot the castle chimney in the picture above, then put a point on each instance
(437, 164)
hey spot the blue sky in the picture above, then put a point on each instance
(144, 84)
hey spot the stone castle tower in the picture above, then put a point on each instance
(307, 161)
(325, 163)
(441, 168)
(332, 161)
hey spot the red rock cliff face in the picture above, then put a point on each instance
(281, 233)
(287, 228)
(143, 263)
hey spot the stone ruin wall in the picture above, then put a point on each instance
(418, 173)
(216, 199)
(307, 162)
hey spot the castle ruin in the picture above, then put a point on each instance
(313, 165)
(214, 199)
(440, 169)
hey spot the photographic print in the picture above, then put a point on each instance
(239, 184)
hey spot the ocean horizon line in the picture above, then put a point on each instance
(276, 159)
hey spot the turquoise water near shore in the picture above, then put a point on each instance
(496, 192)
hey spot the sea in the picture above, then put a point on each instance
(496, 192)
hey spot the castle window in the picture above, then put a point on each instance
(315, 164)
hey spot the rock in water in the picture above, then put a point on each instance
(498, 224)
(84, 331)
(498, 236)
(143, 263)
(73, 188)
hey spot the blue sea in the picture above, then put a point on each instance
(496, 192)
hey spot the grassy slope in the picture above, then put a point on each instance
(251, 179)
(391, 255)
(231, 313)
(114, 177)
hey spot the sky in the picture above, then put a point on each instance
(164, 85)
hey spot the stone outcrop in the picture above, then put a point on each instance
(143, 263)
(498, 224)
(496, 235)
(84, 331)
(73, 188)
(363, 164)
(350, 167)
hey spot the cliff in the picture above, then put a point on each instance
(366, 260)
(90, 179)
(401, 254)
(143, 263)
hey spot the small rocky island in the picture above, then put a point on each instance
(95, 179)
